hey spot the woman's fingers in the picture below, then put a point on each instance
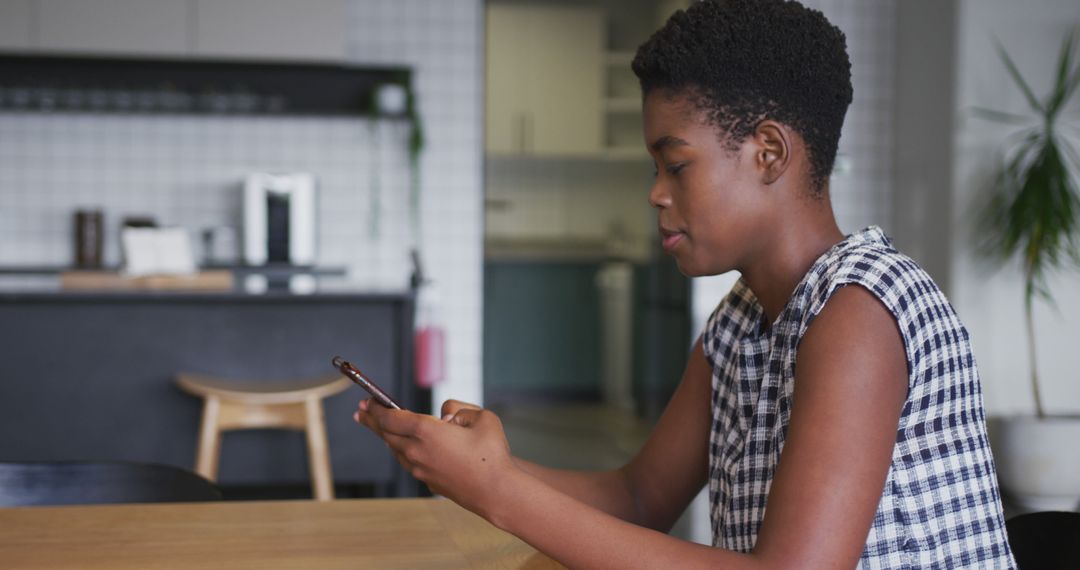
(466, 417)
(420, 442)
(361, 412)
(365, 419)
(400, 422)
(383, 421)
(451, 407)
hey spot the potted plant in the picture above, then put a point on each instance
(1033, 213)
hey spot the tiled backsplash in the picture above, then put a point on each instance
(187, 171)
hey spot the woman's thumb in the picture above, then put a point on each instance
(451, 407)
(465, 417)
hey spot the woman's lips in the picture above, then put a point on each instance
(670, 238)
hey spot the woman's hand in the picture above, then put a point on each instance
(464, 456)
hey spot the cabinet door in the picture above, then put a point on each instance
(271, 29)
(565, 80)
(137, 27)
(544, 80)
(506, 53)
(15, 24)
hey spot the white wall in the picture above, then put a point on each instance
(443, 41)
(990, 302)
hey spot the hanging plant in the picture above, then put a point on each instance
(397, 99)
(416, 147)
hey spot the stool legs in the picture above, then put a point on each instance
(238, 416)
(322, 481)
(206, 460)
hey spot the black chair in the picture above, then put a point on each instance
(1048, 539)
(99, 482)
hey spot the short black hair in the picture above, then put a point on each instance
(744, 61)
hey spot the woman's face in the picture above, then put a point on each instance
(708, 197)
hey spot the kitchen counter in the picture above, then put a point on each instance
(273, 281)
(89, 374)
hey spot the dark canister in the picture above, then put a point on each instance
(89, 238)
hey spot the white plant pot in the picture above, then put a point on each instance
(1038, 461)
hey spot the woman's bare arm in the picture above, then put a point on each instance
(851, 382)
(850, 385)
(656, 486)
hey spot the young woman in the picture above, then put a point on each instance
(831, 405)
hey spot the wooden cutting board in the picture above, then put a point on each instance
(217, 280)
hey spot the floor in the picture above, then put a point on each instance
(573, 436)
(587, 437)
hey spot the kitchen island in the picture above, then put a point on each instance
(90, 375)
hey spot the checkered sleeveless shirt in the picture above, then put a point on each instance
(940, 507)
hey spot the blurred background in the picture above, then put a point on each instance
(484, 181)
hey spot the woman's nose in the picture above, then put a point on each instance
(659, 197)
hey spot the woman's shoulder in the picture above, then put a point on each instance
(869, 259)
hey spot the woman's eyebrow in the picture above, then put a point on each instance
(667, 141)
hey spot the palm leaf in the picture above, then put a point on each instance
(1019, 79)
(1066, 79)
(1001, 116)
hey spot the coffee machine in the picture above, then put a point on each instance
(279, 218)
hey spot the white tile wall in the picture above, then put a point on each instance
(187, 170)
(442, 41)
(184, 171)
(861, 192)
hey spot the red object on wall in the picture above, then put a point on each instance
(430, 364)
(430, 356)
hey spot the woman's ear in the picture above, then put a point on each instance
(772, 150)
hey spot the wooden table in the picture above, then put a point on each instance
(358, 533)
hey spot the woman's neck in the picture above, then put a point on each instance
(785, 257)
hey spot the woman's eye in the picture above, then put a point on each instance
(675, 169)
(671, 170)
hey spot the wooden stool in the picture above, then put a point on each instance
(297, 405)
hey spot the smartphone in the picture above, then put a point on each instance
(353, 373)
